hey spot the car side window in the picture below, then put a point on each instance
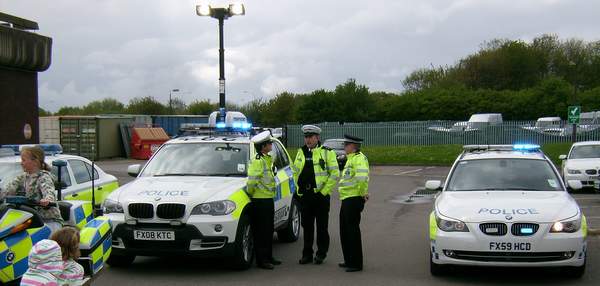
(89, 168)
(281, 160)
(65, 176)
(80, 171)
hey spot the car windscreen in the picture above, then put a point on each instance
(199, 159)
(585, 152)
(8, 171)
(504, 175)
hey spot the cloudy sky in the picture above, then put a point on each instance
(130, 48)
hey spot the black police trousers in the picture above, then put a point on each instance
(350, 231)
(315, 208)
(262, 228)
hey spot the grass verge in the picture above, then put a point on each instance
(434, 155)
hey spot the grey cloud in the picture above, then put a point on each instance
(124, 49)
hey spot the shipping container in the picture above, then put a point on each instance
(93, 137)
(172, 123)
(50, 130)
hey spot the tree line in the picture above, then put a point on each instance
(522, 80)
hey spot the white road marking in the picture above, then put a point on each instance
(411, 171)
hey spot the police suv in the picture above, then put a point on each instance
(190, 199)
(506, 205)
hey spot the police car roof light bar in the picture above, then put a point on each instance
(516, 147)
(49, 149)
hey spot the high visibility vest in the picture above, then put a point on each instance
(261, 179)
(355, 177)
(326, 175)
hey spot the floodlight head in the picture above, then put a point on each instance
(237, 9)
(203, 10)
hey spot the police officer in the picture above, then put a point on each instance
(262, 188)
(353, 190)
(317, 174)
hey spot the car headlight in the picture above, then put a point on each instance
(569, 226)
(573, 172)
(111, 206)
(214, 208)
(450, 225)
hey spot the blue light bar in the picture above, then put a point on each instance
(221, 125)
(527, 230)
(526, 147)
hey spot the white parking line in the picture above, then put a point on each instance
(411, 171)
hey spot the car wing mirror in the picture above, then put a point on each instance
(433, 185)
(134, 170)
(562, 157)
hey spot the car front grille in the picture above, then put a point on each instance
(510, 256)
(524, 229)
(495, 229)
(591, 172)
(141, 210)
(170, 211)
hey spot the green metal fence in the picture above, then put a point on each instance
(446, 132)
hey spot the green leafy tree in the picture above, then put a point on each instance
(104, 106)
(146, 105)
(201, 107)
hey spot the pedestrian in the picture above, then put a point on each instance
(262, 189)
(37, 184)
(353, 189)
(317, 172)
(68, 240)
(45, 264)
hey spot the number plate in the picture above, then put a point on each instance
(597, 185)
(510, 246)
(281, 214)
(154, 235)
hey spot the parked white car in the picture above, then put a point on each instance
(506, 206)
(583, 164)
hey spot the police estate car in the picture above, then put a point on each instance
(190, 198)
(506, 205)
(76, 176)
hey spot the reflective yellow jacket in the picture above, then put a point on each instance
(326, 176)
(355, 177)
(261, 180)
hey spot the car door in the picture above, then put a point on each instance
(285, 183)
(82, 175)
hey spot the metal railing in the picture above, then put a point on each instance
(447, 132)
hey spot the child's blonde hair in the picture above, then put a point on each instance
(68, 239)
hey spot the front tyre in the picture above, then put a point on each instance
(436, 269)
(244, 245)
(575, 272)
(291, 232)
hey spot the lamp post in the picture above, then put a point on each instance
(221, 13)
(170, 100)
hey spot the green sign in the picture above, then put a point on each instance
(574, 113)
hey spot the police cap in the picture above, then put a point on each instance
(311, 129)
(352, 139)
(263, 137)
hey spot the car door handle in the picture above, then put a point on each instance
(75, 195)
(99, 188)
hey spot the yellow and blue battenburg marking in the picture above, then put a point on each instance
(14, 252)
(96, 242)
(288, 188)
(83, 214)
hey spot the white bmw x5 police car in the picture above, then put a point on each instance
(190, 199)
(506, 205)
